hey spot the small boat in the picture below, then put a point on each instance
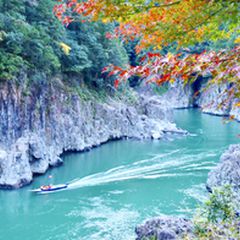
(50, 188)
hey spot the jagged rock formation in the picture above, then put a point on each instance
(235, 110)
(227, 172)
(37, 128)
(214, 100)
(179, 96)
(164, 228)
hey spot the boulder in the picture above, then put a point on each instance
(166, 234)
(164, 228)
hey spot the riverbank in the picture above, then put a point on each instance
(120, 184)
(36, 129)
(213, 101)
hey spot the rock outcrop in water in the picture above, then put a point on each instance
(37, 128)
(227, 172)
(164, 228)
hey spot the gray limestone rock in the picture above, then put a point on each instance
(166, 234)
(15, 166)
(164, 228)
(179, 95)
(235, 110)
(227, 172)
(36, 129)
(211, 100)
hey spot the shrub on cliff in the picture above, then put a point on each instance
(218, 218)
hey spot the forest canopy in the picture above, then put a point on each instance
(32, 41)
(159, 23)
(175, 39)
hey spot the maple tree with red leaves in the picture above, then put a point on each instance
(159, 24)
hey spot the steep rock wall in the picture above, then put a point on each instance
(212, 99)
(178, 95)
(37, 127)
(227, 172)
(216, 100)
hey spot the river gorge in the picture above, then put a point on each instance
(121, 184)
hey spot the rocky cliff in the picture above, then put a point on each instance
(179, 95)
(210, 99)
(215, 100)
(37, 127)
(227, 172)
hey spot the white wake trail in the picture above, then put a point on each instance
(162, 165)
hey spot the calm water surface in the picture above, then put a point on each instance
(120, 184)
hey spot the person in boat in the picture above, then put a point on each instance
(46, 187)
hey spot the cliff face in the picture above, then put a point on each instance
(227, 172)
(36, 129)
(178, 95)
(216, 100)
(212, 100)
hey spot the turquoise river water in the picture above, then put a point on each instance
(119, 185)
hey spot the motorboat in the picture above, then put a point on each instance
(50, 188)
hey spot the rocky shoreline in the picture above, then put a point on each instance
(36, 129)
(227, 172)
(164, 228)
